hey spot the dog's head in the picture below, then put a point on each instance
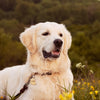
(48, 39)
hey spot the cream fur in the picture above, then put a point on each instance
(47, 87)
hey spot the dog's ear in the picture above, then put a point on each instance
(67, 40)
(28, 38)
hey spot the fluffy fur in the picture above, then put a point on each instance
(47, 87)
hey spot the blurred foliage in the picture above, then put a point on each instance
(11, 51)
(81, 17)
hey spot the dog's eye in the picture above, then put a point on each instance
(46, 33)
(60, 34)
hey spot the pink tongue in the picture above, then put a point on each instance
(55, 53)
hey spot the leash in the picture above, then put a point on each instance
(25, 87)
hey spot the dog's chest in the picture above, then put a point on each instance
(42, 88)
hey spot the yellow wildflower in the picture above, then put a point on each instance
(73, 92)
(91, 93)
(78, 83)
(96, 92)
(92, 88)
(88, 84)
(84, 83)
(69, 95)
(61, 97)
(66, 96)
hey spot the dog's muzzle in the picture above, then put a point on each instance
(56, 52)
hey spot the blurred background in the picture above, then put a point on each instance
(81, 17)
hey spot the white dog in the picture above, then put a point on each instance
(47, 69)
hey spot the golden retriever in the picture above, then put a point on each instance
(47, 68)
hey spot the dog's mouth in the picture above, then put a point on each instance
(52, 54)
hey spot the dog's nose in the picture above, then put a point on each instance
(58, 43)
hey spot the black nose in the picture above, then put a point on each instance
(58, 43)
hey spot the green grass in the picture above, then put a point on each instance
(87, 90)
(86, 85)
